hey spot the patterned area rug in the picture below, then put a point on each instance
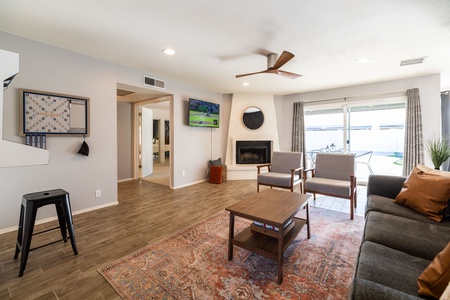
(193, 263)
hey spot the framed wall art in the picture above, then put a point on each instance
(53, 114)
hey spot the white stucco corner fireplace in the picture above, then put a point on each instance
(247, 148)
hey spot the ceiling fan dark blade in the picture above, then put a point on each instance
(248, 74)
(288, 74)
(284, 58)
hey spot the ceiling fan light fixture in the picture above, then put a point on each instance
(169, 51)
(245, 84)
(274, 67)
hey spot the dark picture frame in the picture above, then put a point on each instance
(53, 114)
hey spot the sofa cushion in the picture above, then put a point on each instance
(406, 235)
(385, 185)
(426, 193)
(389, 267)
(435, 278)
(428, 170)
(387, 206)
(362, 289)
(431, 171)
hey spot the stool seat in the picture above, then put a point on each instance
(28, 210)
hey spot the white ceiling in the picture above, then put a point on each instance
(215, 40)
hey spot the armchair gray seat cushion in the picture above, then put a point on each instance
(338, 188)
(284, 171)
(277, 179)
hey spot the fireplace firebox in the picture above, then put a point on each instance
(253, 152)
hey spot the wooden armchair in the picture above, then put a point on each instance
(284, 171)
(333, 175)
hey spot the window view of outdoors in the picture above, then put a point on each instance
(374, 134)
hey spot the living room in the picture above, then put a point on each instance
(45, 67)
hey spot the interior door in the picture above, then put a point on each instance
(147, 141)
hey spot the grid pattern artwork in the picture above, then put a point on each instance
(45, 113)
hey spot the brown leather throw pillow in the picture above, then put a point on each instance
(435, 278)
(425, 192)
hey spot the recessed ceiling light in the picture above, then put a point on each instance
(169, 51)
(363, 60)
(245, 84)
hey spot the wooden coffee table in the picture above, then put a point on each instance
(275, 208)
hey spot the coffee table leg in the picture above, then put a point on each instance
(280, 255)
(230, 237)
(307, 220)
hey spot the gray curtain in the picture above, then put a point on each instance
(445, 111)
(298, 130)
(413, 151)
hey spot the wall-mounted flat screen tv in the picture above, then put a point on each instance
(203, 113)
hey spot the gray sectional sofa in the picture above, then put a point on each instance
(398, 244)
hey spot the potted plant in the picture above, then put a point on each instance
(438, 150)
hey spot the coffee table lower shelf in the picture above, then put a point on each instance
(266, 245)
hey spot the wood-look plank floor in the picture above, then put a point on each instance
(146, 213)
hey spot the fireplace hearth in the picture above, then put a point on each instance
(253, 152)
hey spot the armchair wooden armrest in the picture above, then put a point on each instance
(262, 166)
(305, 172)
(297, 170)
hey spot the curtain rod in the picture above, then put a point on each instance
(362, 97)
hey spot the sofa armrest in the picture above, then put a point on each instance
(385, 185)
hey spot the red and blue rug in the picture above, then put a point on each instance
(193, 263)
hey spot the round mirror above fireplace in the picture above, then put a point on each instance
(253, 118)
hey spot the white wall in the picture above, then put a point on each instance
(429, 87)
(51, 69)
(194, 146)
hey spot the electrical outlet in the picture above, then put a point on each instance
(183, 173)
(98, 193)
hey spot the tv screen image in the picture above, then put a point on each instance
(203, 113)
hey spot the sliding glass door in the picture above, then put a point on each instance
(372, 131)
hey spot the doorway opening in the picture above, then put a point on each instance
(153, 136)
(145, 146)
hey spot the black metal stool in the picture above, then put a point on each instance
(30, 204)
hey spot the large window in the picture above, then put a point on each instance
(373, 132)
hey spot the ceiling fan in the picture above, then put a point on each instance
(274, 65)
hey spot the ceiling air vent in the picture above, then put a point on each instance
(412, 61)
(154, 82)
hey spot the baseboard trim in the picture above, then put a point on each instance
(189, 184)
(127, 179)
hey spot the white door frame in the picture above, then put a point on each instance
(136, 136)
